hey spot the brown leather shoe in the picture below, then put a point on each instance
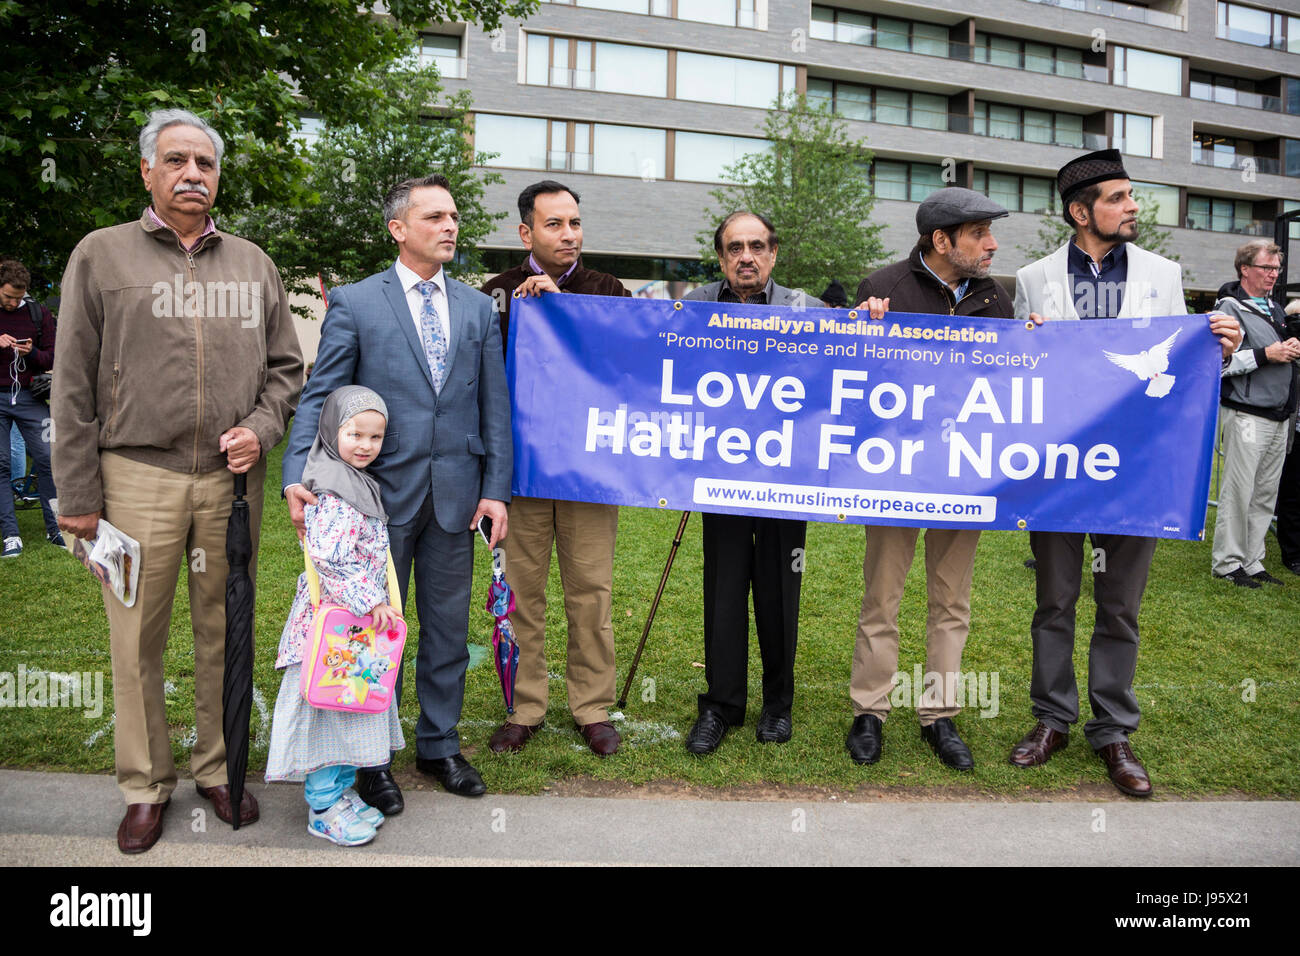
(512, 737)
(1037, 746)
(141, 826)
(602, 738)
(1126, 771)
(220, 797)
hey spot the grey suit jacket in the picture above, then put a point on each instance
(1154, 287)
(780, 295)
(456, 441)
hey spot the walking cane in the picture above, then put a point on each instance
(663, 581)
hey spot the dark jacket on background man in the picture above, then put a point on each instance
(19, 324)
(581, 281)
(910, 287)
(1251, 383)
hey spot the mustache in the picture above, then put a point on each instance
(199, 188)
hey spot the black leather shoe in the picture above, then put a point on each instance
(455, 774)
(706, 733)
(1239, 577)
(1293, 567)
(1263, 577)
(864, 738)
(773, 728)
(947, 744)
(380, 790)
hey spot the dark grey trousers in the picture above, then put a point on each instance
(1112, 654)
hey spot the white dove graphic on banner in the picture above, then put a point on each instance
(1150, 365)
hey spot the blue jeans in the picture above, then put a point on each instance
(32, 418)
(17, 453)
(323, 787)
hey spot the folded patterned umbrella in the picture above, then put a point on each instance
(500, 602)
(237, 681)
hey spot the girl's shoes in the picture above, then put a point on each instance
(340, 824)
(362, 809)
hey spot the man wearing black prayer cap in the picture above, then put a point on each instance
(1098, 274)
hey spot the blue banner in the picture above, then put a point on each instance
(823, 414)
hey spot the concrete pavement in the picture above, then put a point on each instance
(64, 819)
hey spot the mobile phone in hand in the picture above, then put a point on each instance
(485, 530)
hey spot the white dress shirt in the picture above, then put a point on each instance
(415, 300)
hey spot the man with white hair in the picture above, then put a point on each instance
(177, 365)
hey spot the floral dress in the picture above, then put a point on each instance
(349, 551)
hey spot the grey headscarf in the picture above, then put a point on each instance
(325, 470)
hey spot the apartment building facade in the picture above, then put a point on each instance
(639, 104)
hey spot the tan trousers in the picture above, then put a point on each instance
(949, 565)
(178, 519)
(583, 535)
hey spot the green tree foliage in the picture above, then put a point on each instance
(814, 186)
(399, 129)
(81, 79)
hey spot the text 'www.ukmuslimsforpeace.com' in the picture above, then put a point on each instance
(850, 502)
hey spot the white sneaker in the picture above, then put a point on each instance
(340, 824)
(364, 810)
(13, 547)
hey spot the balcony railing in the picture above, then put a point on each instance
(1234, 97)
(1124, 11)
(1244, 227)
(1238, 35)
(1222, 160)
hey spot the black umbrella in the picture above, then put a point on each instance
(237, 682)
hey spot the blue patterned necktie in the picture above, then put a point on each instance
(431, 335)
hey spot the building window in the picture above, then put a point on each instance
(909, 182)
(641, 70)
(1032, 126)
(1243, 24)
(1133, 134)
(312, 127)
(703, 156)
(628, 151)
(724, 79)
(875, 104)
(1219, 215)
(1144, 70)
(887, 33)
(436, 49)
(1035, 57)
(1164, 198)
(518, 141)
(1017, 193)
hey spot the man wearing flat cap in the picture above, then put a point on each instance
(947, 273)
(1098, 274)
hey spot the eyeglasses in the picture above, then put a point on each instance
(1266, 268)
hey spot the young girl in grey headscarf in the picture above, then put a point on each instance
(347, 541)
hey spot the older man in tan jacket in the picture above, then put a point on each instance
(177, 365)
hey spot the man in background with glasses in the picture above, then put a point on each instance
(1258, 397)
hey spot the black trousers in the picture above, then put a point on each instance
(1288, 507)
(766, 555)
(1122, 564)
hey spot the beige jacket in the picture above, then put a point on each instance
(160, 351)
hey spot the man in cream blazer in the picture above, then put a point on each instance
(1098, 274)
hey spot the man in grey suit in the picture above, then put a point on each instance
(431, 346)
(740, 551)
(1098, 274)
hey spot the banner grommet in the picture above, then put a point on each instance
(663, 502)
(1022, 524)
(678, 305)
(840, 517)
(853, 314)
(1030, 326)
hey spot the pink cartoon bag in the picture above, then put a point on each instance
(350, 667)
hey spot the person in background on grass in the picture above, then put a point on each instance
(1257, 416)
(155, 404)
(346, 540)
(26, 349)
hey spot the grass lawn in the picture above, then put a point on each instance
(1205, 644)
